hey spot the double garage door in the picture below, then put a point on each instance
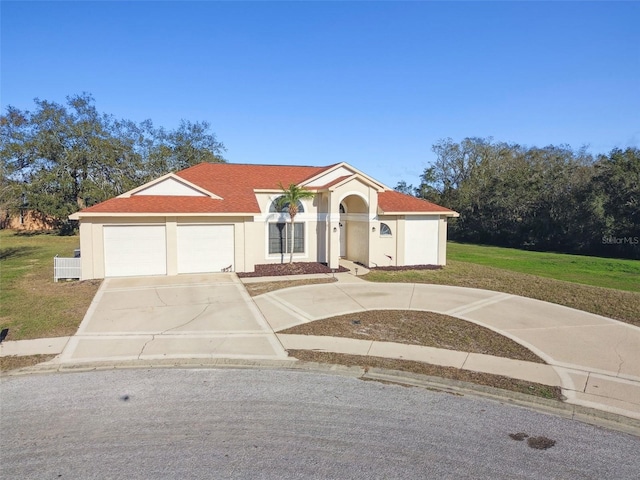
(133, 250)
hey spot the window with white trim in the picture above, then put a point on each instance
(273, 208)
(385, 230)
(280, 238)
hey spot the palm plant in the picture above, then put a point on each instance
(290, 197)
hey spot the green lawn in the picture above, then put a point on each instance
(596, 271)
(32, 305)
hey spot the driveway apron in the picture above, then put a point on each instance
(186, 316)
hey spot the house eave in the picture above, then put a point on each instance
(175, 177)
(444, 214)
(80, 216)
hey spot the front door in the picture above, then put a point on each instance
(343, 239)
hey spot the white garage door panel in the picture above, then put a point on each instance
(421, 241)
(132, 250)
(205, 248)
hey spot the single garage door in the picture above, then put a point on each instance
(205, 248)
(132, 250)
(421, 240)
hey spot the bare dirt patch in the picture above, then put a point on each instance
(418, 328)
(259, 288)
(14, 362)
(296, 268)
(495, 381)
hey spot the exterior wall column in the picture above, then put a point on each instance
(86, 251)
(333, 231)
(171, 232)
(442, 241)
(400, 241)
(240, 261)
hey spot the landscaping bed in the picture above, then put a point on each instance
(428, 329)
(296, 268)
(392, 268)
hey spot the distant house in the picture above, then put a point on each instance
(211, 217)
(27, 220)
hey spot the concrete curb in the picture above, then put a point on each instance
(586, 415)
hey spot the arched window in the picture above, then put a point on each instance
(285, 208)
(342, 209)
(385, 230)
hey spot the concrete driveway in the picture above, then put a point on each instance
(188, 316)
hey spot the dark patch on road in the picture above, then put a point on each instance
(538, 443)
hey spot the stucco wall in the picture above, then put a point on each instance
(384, 246)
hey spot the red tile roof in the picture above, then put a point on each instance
(396, 202)
(330, 184)
(161, 204)
(236, 183)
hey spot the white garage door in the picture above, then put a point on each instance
(421, 241)
(205, 248)
(132, 250)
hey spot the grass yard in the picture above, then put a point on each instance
(596, 271)
(32, 305)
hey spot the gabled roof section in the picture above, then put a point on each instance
(326, 177)
(396, 203)
(236, 182)
(170, 185)
(226, 189)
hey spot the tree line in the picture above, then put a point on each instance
(551, 198)
(60, 158)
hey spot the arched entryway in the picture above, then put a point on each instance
(354, 229)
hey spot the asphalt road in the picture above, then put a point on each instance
(227, 424)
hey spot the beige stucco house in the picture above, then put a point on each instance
(214, 217)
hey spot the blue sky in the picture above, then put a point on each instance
(374, 84)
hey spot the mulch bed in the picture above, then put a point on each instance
(408, 267)
(296, 268)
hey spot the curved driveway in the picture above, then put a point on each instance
(596, 358)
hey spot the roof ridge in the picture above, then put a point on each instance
(259, 165)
